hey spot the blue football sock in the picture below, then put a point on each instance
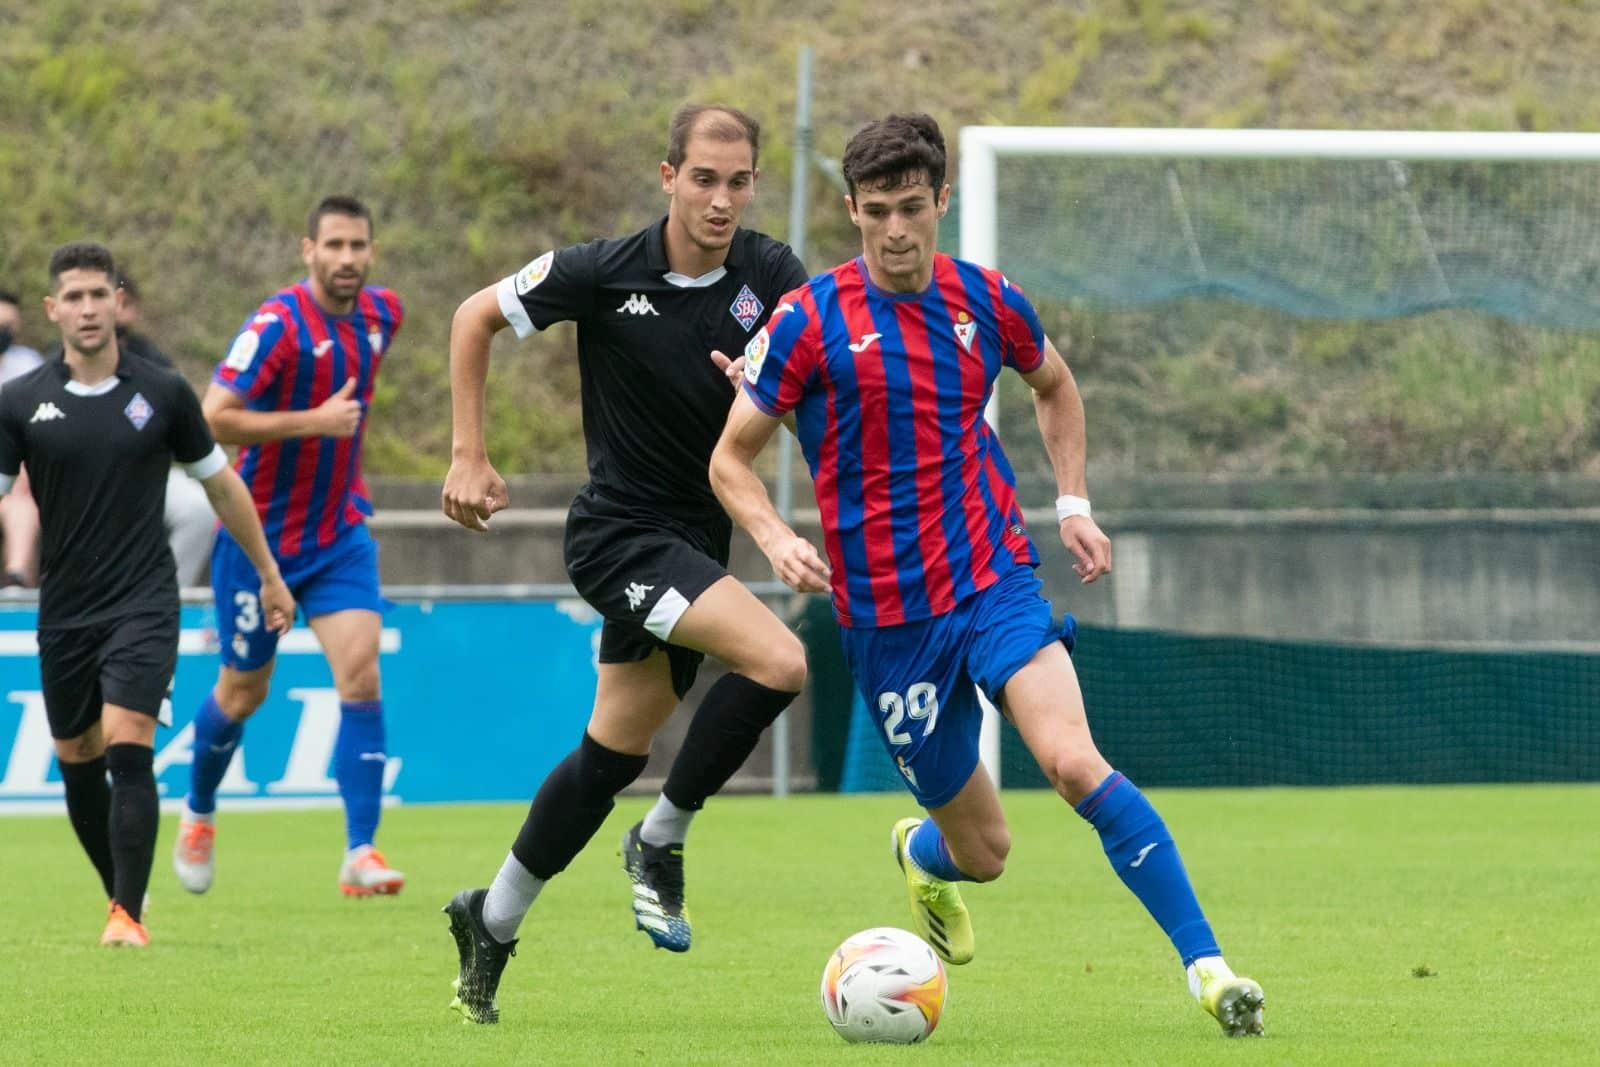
(928, 850)
(216, 737)
(1141, 851)
(358, 761)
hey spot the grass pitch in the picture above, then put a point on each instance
(1443, 925)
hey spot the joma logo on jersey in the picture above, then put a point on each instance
(47, 411)
(746, 307)
(637, 304)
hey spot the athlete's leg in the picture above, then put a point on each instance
(135, 812)
(1044, 701)
(767, 669)
(83, 775)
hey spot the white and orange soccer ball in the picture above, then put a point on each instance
(884, 985)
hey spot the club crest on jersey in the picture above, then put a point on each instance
(534, 273)
(138, 411)
(375, 342)
(754, 354)
(966, 329)
(746, 307)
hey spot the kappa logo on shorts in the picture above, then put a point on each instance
(636, 594)
(138, 411)
(746, 307)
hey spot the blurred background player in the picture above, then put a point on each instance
(19, 514)
(293, 391)
(99, 431)
(646, 541)
(191, 528)
(887, 362)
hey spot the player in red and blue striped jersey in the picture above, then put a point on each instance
(886, 363)
(293, 392)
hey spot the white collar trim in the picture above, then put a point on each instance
(101, 388)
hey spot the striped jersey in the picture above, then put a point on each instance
(291, 356)
(918, 502)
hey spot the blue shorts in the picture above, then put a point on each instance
(920, 679)
(337, 578)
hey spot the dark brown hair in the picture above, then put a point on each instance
(899, 150)
(337, 205)
(722, 123)
(80, 255)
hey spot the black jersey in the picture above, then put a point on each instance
(653, 402)
(98, 459)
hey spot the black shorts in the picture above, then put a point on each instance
(641, 570)
(127, 661)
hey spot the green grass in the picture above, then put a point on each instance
(1335, 900)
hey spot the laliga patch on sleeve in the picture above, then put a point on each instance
(243, 351)
(534, 273)
(755, 354)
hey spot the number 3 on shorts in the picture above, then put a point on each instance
(249, 617)
(920, 702)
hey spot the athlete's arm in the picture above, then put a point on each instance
(232, 423)
(1059, 408)
(733, 478)
(231, 501)
(473, 489)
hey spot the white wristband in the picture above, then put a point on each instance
(1068, 505)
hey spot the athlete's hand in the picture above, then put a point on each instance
(798, 565)
(1083, 539)
(277, 605)
(473, 491)
(340, 414)
(732, 369)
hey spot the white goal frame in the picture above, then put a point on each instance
(982, 147)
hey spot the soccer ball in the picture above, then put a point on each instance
(884, 985)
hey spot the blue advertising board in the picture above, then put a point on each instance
(481, 700)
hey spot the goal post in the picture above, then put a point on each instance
(1337, 224)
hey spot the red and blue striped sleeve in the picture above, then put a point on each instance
(1020, 328)
(256, 356)
(781, 359)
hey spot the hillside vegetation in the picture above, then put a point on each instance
(193, 136)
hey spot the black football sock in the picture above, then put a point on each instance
(725, 730)
(571, 804)
(135, 814)
(89, 808)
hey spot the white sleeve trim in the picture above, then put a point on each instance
(6, 482)
(511, 307)
(201, 469)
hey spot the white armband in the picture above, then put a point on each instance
(211, 463)
(1068, 505)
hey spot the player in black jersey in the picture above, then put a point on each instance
(98, 432)
(646, 540)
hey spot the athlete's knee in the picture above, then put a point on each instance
(779, 664)
(1075, 770)
(241, 693)
(601, 773)
(362, 682)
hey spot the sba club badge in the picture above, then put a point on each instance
(138, 411)
(746, 307)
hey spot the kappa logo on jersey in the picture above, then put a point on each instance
(638, 304)
(865, 343)
(243, 350)
(636, 594)
(138, 411)
(322, 348)
(965, 329)
(755, 353)
(534, 273)
(46, 412)
(746, 307)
